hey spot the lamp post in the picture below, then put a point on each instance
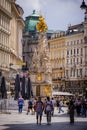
(84, 6)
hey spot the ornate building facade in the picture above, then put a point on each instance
(76, 58)
(5, 17)
(57, 50)
(11, 26)
(15, 42)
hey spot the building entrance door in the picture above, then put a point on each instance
(38, 90)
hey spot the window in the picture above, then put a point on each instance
(77, 51)
(81, 60)
(77, 73)
(71, 52)
(67, 52)
(67, 43)
(81, 72)
(81, 51)
(86, 72)
(77, 60)
(74, 72)
(74, 42)
(77, 41)
(71, 42)
(81, 40)
(71, 61)
(67, 61)
(74, 51)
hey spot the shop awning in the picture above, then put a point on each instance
(61, 94)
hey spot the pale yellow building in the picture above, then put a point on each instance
(5, 17)
(57, 50)
(15, 42)
(76, 64)
(11, 27)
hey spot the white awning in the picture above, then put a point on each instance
(61, 94)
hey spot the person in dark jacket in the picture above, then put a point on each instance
(71, 111)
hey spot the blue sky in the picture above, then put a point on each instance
(57, 13)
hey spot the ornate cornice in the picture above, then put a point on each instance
(3, 10)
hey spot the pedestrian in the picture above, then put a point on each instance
(71, 108)
(57, 103)
(34, 105)
(53, 103)
(78, 107)
(60, 106)
(20, 104)
(39, 110)
(49, 108)
(83, 108)
(30, 107)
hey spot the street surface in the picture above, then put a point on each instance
(60, 121)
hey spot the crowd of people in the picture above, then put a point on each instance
(47, 106)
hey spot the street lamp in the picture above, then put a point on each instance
(84, 6)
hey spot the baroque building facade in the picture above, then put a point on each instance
(15, 42)
(76, 60)
(57, 50)
(11, 26)
(5, 17)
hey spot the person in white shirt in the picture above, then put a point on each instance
(60, 106)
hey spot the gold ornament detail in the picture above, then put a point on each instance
(39, 77)
(41, 25)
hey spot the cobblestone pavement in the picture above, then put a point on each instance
(16, 121)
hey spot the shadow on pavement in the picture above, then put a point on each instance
(44, 126)
(60, 115)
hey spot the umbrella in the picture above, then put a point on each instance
(29, 88)
(3, 87)
(17, 86)
(23, 86)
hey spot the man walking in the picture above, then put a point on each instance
(39, 110)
